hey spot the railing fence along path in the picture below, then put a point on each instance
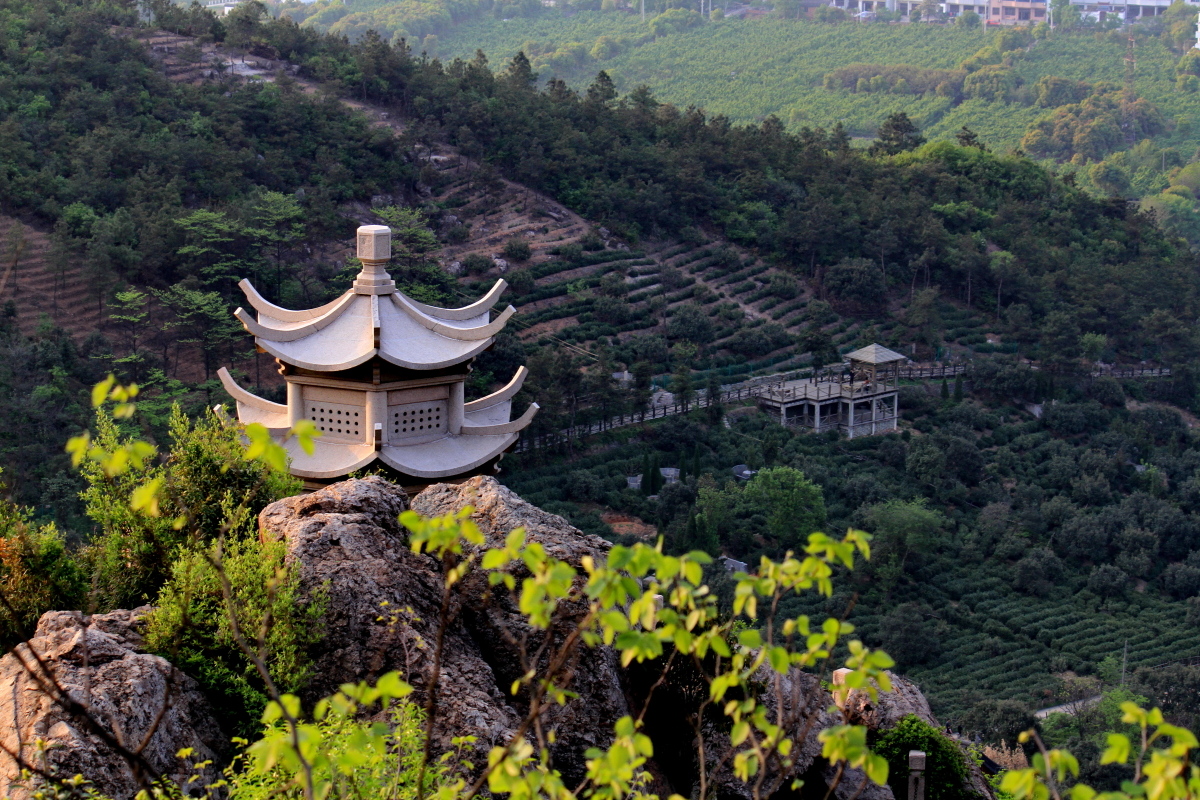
(752, 388)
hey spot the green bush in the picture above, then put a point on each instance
(475, 264)
(945, 764)
(191, 625)
(359, 757)
(203, 478)
(517, 249)
(37, 573)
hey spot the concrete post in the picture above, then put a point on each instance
(817, 417)
(295, 403)
(377, 418)
(916, 775)
(874, 414)
(457, 397)
(850, 425)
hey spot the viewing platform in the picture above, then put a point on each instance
(862, 402)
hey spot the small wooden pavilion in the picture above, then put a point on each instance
(382, 377)
(859, 401)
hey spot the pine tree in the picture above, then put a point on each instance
(945, 390)
(958, 389)
(647, 481)
(896, 134)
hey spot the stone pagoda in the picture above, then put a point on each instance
(382, 378)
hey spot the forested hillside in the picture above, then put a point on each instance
(1016, 546)
(1012, 89)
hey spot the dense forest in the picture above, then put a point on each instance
(1010, 547)
(1011, 87)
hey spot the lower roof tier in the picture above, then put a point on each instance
(450, 455)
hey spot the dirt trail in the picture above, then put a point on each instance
(493, 209)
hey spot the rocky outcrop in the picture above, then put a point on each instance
(124, 695)
(889, 708)
(383, 606)
(384, 603)
(499, 629)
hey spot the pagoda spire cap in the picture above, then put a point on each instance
(374, 250)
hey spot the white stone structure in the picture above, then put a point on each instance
(382, 377)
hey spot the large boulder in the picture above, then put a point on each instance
(384, 604)
(120, 694)
(383, 607)
(888, 708)
(507, 642)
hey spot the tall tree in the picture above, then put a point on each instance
(896, 135)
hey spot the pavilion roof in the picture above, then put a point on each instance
(358, 326)
(875, 354)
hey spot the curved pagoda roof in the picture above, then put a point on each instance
(373, 318)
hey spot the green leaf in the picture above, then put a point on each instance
(145, 497)
(100, 390)
(1117, 751)
(750, 638)
(390, 685)
(876, 767)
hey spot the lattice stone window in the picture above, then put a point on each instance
(418, 419)
(419, 413)
(339, 415)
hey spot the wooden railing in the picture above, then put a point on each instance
(756, 387)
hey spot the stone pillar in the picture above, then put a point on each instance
(377, 418)
(874, 414)
(457, 399)
(916, 775)
(817, 416)
(295, 403)
(850, 424)
(374, 250)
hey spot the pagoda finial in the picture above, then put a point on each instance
(374, 250)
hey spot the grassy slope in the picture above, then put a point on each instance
(749, 69)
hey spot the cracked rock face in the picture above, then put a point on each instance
(384, 603)
(96, 661)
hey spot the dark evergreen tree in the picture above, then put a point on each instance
(896, 135)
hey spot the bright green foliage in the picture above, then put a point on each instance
(206, 467)
(1091, 724)
(668, 609)
(192, 627)
(348, 757)
(142, 508)
(945, 765)
(37, 573)
(1159, 754)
